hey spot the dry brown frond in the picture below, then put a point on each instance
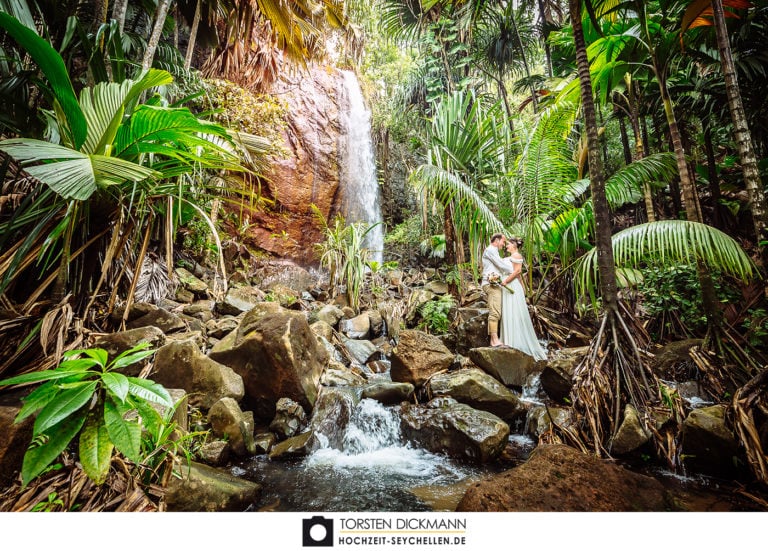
(750, 407)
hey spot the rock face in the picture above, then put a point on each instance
(508, 365)
(277, 355)
(333, 410)
(229, 421)
(476, 388)
(117, 343)
(557, 377)
(445, 426)
(181, 364)
(472, 329)
(205, 489)
(309, 173)
(388, 393)
(708, 444)
(417, 356)
(558, 478)
(631, 434)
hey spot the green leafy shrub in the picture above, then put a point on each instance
(756, 327)
(435, 317)
(86, 396)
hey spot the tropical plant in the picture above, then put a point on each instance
(435, 314)
(87, 396)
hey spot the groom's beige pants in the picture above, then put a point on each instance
(493, 292)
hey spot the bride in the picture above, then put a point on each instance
(516, 327)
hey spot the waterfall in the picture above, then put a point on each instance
(360, 188)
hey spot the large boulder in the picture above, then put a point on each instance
(632, 435)
(471, 330)
(161, 318)
(360, 350)
(205, 489)
(117, 343)
(328, 313)
(296, 446)
(358, 327)
(333, 410)
(182, 365)
(557, 377)
(458, 430)
(672, 362)
(476, 388)
(708, 444)
(418, 356)
(228, 421)
(558, 478)
(277, 355)
(507, 365)
(14, 441)
(388, 393)
(240, 299)
(542, 418)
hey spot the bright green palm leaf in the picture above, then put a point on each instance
(625, 186)
(56, 439)
(669, 242)
(95, 449)
(50, 63)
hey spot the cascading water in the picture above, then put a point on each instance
(375, 470)
(360, 188)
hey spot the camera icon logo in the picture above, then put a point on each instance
(317, 532)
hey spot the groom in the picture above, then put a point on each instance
(492, 263)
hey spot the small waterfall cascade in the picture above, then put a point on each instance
(360, 189)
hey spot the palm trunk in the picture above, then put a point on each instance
(451, 240)
(625, 139)
(193, 35)
(505, 99)
(714, 180)
(605, 262)
(119, 10)
(157, 31)
(741, 129)
(544, 36)
(640, 151)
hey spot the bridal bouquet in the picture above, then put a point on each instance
(495, 279)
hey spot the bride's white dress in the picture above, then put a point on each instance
(516, 326)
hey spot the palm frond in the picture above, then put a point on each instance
(626, 185)
(668, 242)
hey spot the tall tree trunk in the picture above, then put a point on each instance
(505, 99)
(544, 36)
(605, 262)
(451, 240)
(641, 145)
(624, 139)
(193, 35)
(157, 30)
(714, 180)
(741, 129)
(119, 9)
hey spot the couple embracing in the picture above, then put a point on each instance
(509, 323)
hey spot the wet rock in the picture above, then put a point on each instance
(540, 419)
(264, 441)
(437, 287)
(277, 355)
(377, 323)
(708, 444)
(631, 435)
(276, 274)
(362, 351)
(472, 329)
(557, 376)
(322, 329)
(164, 320)
(236, 426)
(389, 393)
(191, 283)
(336, 374)
(417, 357)
(202, 310)
(379, 366)
(560, 478)
(476, 388)
(183, 365)
(219, 328)
(240, 299)
(215, 453)
(183, 295)
(457, 430)
(117, 343)
(14, 441)
(507, 365)
(673, 362)
(333, 411)
(206, 489)
(297, 446)
(329, 313)
(290, 417)
(357, 327)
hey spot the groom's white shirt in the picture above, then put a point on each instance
(493, 263)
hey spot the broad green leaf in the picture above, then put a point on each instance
(59, 436)
(149, 390)
(98, 354)
(130, 359)
(141, 346)
(117, 384)
(66, 403)
(95, 449)
(77, 364)
(37, 400)
(150, 417)
(125, 435)
(50, 63)
(37, 376)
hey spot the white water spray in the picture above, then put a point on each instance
(360, 188)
